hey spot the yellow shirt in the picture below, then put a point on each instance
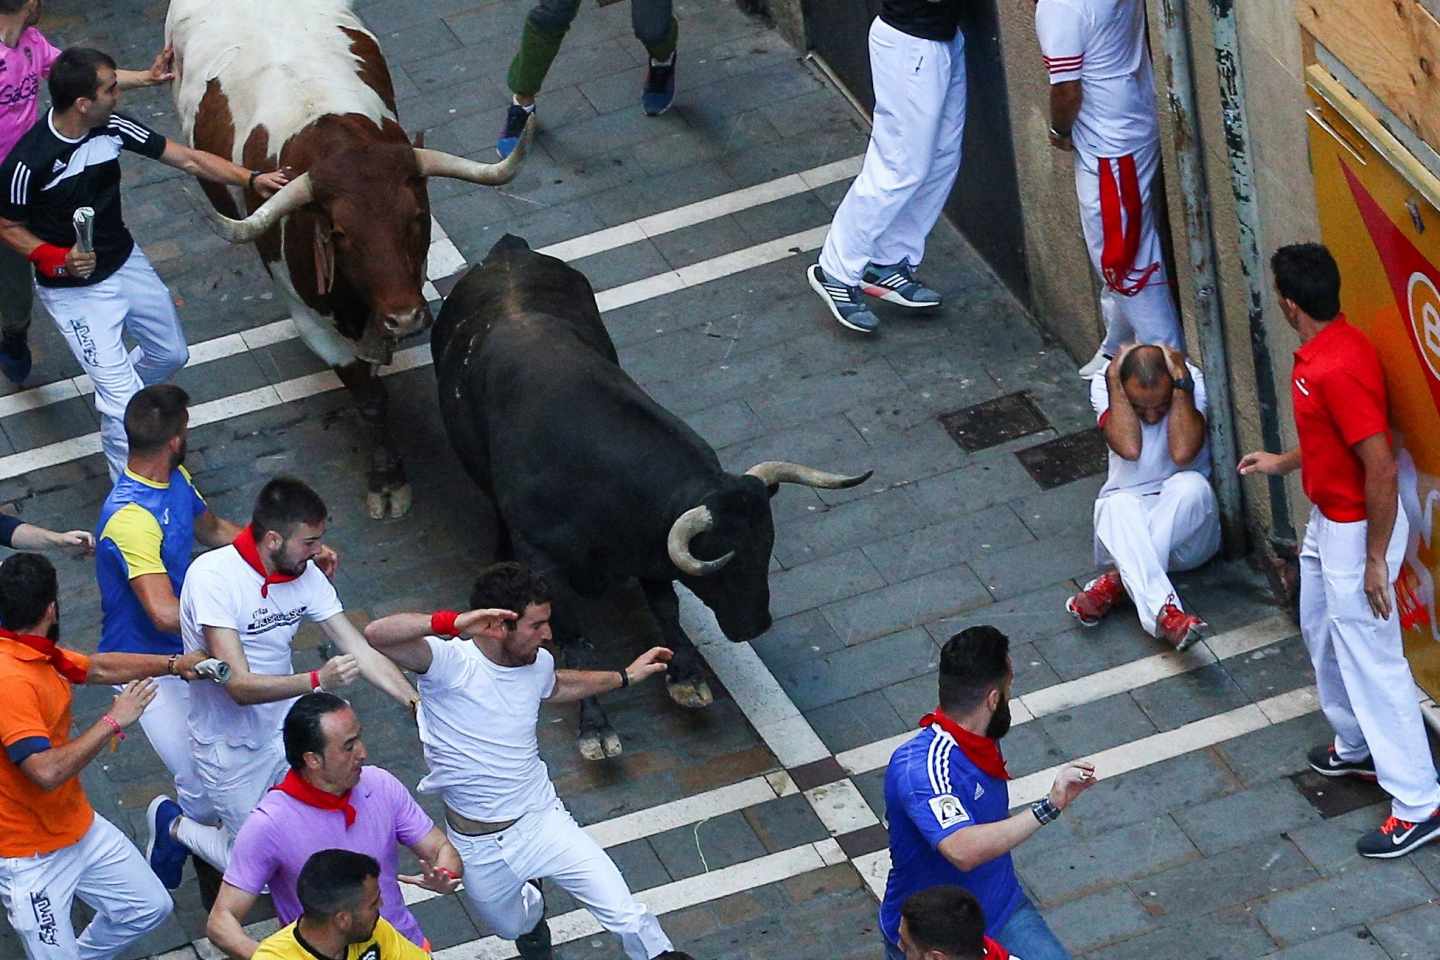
(386, 943)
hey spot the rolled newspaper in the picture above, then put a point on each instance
(85, 229)
(216, 670)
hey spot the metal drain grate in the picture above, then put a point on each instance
(1064, 459)
(993, 422)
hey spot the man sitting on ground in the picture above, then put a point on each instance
(1156, 512)
(340, 894)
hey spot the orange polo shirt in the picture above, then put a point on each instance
(34, 714)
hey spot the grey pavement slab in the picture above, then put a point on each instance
(1409, 935)
(911, 603)
(1161, 787)
(1203, 886)
(1176, 701)
(1275, 807)
(1099, 918)
(1354, 943)
(1324, 906)
(1092, 727)
(858, 668)
(1223, 935)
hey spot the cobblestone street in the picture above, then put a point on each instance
(754, 827)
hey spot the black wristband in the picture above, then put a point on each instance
(624, 679)
(1044, 810)
(253, 175)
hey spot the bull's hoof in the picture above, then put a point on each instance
(691, 694)
(610, 740)
(393, 502)
(600, 743)
(401, 500)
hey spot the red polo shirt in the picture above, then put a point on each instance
(1338, 390)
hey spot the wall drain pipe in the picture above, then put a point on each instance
(1209, 316)
(1247, 210)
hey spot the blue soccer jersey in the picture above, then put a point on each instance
(932, 790)
(145, 527)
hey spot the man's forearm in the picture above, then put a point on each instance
(113, 668)
(209, 166)
(978, 845)
(133, 79)
(18, 238)
(579, 684)
(1381, 502)
(1122, 426)
(1065, 101)
(213, 531)
(375, 667)
(396, 629)
(54, 767)
(227, 933)
(1186, 430)
(249, 688)
(27, 536)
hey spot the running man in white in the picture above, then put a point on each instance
(1156, 512)
(244, 604)
(877, 239)
(481, 697)
(1102, 106)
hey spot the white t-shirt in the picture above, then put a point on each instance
(1154, 466)
(222, 590)
(477, 725)
(1101, 43)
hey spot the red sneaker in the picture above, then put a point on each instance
(1090, 605)
(1178, 628)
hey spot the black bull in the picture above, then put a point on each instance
(593, 482)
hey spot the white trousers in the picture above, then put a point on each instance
(913, 157)
(234, 780)
(1148, 536)
(1364, 681)
(106, 871)
(550, 845)
(96, 319)
(166, 726)
(1146, 315)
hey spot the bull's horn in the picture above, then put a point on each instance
(782, 471)
(290, 198)
(692, 522)
(438, 163)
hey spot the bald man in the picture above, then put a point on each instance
(1156, 512)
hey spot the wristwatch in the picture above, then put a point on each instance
(1044, 810)
(1186, 383)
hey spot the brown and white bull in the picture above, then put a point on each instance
(302, 84)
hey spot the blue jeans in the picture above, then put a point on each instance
(1025, 935)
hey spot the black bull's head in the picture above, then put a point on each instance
(369, 215)
(734, 527)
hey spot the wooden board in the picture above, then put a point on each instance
(1392, 46)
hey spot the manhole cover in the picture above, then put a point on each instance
(1334, 796)
(1059, 461)
(993, 422)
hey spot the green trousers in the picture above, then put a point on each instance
(545, 26)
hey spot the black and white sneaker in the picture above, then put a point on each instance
(844, 301)
(1326, 762)
(1397, 837)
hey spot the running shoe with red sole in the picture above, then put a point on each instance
(1180, 629)
(1397, 837)
(1090, 605)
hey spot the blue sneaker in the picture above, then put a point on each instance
(659, 90)
(165, 854)
(15, 358)
(896, 283)
(844, 302)
(515, 119)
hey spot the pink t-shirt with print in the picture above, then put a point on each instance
(22, 68)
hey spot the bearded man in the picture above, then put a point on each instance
(243, 604)
(947, 798)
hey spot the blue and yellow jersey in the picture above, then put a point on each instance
(145, 527)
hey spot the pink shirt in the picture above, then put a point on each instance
(282, 833)
(22, 67)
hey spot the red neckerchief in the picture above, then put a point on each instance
(293, 786)
(982, 751)
(245, 546)
(993, 951)
(65, 664)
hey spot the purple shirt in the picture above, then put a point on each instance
(282, 833)
(22, 67)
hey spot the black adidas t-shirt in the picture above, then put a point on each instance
(47, 177)
(927, 19)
